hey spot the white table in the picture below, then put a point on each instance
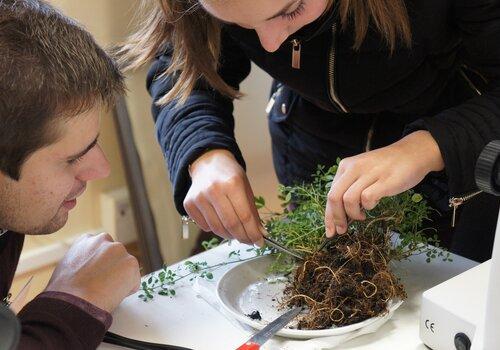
(189, 321)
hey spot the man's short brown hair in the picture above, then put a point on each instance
(50, 68)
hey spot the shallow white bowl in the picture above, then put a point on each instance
(246, 288)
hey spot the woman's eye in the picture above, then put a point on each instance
(295, 13)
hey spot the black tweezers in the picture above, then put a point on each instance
(115, 339)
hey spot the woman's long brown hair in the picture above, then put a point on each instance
(195, 37)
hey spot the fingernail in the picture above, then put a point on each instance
(264, 231)
(260, 243)
(340, 229)
(329, 232)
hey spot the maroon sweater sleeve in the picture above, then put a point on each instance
(57, 321)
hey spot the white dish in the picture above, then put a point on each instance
(246, 288)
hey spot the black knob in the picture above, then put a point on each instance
(462, 341)
(487, 168)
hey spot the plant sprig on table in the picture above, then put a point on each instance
(163, 282)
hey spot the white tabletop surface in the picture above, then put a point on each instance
(189, 321)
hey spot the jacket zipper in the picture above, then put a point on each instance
(331, 72)
(471, 84)
(296, 52)
(455, 202)
(369, 135)
(272, 100)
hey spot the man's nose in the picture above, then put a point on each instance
(95, 167)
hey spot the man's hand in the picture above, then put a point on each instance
(361, 181)
(221, 200)
(98, 270)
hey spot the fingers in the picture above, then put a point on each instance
(195, 214)
(352, 198)
(212, 218)
(374, 193)
(335, 215)
(258, 222)
(90, 243)
(348, 198)
(132, 262)
(248, 215)
(231, 221)
(227, 208)
(104, 236)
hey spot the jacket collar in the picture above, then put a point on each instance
(317, 27)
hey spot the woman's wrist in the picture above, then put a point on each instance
(206, 158)
(421, 146)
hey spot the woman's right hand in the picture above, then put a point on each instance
(221, 200)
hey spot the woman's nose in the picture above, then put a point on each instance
(271, 37)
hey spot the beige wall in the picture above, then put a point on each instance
(109, 22)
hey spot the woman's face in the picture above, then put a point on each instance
(273, 20)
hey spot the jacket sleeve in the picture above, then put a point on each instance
(204, 122)
(59, 321)
(462, 131)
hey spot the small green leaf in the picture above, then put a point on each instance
(234, 253)
(212, 243)
(260, 202)
(416, 198)
(161, 275)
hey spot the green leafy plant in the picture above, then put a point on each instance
(303, 228)
(349, 280)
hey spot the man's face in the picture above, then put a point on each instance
(53, 177)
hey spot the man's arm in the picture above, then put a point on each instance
(73, 312)
(55, 320)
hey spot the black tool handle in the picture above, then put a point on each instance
(115, 339)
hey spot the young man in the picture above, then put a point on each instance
(55, 82)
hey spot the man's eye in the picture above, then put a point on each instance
(75, 160)
(295, 13)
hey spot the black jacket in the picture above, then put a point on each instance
(340, 101)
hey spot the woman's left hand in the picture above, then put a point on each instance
(361, 181)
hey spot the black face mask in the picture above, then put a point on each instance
(10, 329)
